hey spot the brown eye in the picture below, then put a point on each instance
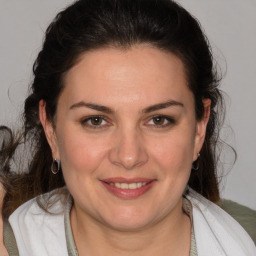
(94, 122)
(159, 120)
(97, 120)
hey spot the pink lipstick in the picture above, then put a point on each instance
(128, 188)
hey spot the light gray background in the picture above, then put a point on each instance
(230, 26)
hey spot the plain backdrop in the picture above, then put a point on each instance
(230, 27)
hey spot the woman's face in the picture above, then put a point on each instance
(126, 135)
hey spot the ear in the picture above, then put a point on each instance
(48, 129)
(201, 128)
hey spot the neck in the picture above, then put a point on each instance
(162, 238)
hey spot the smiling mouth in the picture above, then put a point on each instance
(133, 185)
(128, 189)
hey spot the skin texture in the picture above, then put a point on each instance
(128, 142)
(3, 251)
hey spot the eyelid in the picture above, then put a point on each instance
(84, 122)
(170, 119)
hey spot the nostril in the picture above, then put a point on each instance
(128, 162)
(128, 151)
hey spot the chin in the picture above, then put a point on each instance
(129, 220)
(128, 226)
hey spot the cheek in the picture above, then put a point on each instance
(174, 152)
(81, 154)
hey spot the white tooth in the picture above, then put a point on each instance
(118, 185)
(139, 184)
(128, 186)
(111, 184)
(132, 186)
(124, 186)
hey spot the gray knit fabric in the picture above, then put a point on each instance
(9, 239)
(71, 246)
(187, 208)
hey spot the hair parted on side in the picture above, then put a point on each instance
(93, 24)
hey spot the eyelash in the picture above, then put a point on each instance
(85, 122)
(168, 121)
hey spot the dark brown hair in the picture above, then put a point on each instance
(92, 24)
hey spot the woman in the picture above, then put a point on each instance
(123, 124)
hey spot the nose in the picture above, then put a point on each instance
(128, 150)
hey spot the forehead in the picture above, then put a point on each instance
(141, 74)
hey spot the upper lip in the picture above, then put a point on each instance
(126, 180)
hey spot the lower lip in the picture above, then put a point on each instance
(128, 193)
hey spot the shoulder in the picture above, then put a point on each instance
(36, 230)
(245, 216)
(217, 231)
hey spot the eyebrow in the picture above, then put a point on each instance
(108, 110)
(97, 107)
(163, 105)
